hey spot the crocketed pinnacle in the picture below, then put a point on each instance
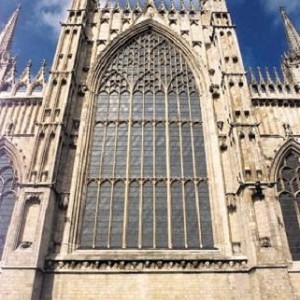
(7, 34)
(292, 34)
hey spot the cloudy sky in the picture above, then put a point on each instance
(258, 23)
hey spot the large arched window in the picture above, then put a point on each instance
(8, 185)
(147, 186)
(289, 196)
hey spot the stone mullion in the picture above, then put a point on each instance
(154, 181)
(110, 213)
(127, 180)
(113, 181)
(142, 176)
(167, 132)
(117, 124)
(113, 177)
(100, 177)
(181, 157)
(194, 160)
(96, 214)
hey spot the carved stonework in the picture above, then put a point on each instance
(146, 266)
(64, 201)
(265, 242)
(231, 201)
(215, 90)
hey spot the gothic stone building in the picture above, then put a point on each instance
(149, 165)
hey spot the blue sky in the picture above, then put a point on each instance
(259, 29)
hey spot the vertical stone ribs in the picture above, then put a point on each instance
(62, 87)
(147, 184)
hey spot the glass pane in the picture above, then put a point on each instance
(121, 151)
(108, 159)
(148, 215)
(172, 102)
(88, 223)
(133, 215)
(104, 215)
(291, 223)
(148, 150)
(205, 215)
(175, 160)
(177, 217)
(191, 216)
(187, 151)
(160, 150)
(161, 216)
(117, 215)
(136, 148)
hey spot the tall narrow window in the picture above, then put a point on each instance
(147, 186)
(289, 196)
(7, 196)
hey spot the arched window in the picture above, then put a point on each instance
(147, 182)
(289, 196)
(8, 184)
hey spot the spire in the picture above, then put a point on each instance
(7, 33)
(292, 34)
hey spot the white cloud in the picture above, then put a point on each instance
(273, 5)
(51, 13)
(291, 6)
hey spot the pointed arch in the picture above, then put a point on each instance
(104, 59)
(8, 187)
(289, 145)
(286, 172)
(12, 152)
(141, 138)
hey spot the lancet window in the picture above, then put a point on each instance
(289, 196)
(147, 186)
(8, 185)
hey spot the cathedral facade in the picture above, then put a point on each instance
(150, 164)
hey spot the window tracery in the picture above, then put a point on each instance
(147, 185)
(288, 187)
(8, 185)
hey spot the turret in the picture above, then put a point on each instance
(291, 59)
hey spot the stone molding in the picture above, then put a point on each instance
(146, 266)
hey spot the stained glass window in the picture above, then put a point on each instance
(147, 185)
(289, 196)
(7, 196)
